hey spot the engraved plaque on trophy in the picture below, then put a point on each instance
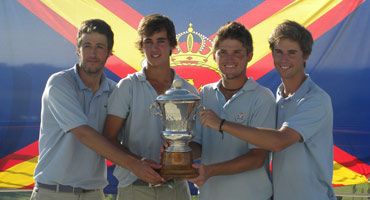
(177, 109)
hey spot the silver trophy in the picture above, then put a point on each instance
(177, 109)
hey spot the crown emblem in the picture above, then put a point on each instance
(194, 49)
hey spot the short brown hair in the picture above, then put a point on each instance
(293, 31)
(98, 26)
(235, 31)
(155, 23)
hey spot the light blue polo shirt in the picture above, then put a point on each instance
(304, 170)
(253, 105)
(141, 134)
(66, 104)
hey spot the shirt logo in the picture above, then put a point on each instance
(240, 117)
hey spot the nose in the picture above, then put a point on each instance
(230, 57)
(284, 57)
(93, 51)
(155, 46)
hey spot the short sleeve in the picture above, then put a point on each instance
(60, 96)
(119, 100)
(309, 116)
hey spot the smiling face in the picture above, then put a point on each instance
(157, 49)
(232, 59)
(289, 60)
(93, 52)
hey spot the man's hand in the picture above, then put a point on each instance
(203, 175)
(145, 170)
(209, 119)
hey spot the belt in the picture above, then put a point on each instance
(63, 188)
(140, 182)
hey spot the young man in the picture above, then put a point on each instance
(232, 168)
(73, 112)
(303, 145)
(130, 124)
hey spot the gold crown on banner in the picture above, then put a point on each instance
(196, 52)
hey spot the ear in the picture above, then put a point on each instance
(171, 50)
(305, 58)
(78, 52)
(250, 56)
(214, 56)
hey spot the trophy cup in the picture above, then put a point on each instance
(177, 109)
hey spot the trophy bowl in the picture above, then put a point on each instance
(177, 109)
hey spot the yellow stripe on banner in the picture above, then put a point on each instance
(77, 11)
(302, 11)
(345, 176)
(19, 176)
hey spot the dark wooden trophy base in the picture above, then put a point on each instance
(177, 165)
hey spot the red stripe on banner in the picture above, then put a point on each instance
(28, 187)
(68, 31)
(123, 11)
(351, 162)
(262, 12)
(19, 156)
(109, 163)
(317, 28)
(333, 17)
(261, 67)
(119, 67)
(52, 19)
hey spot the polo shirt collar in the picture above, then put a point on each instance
(103, 83)
(250, 85)
(297, 95)
(141, 74)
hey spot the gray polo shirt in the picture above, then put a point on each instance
(66, 104)
(253, 105)
(141, 134)
(304, 170)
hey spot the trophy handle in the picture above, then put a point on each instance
(198, 107)
(153, 107)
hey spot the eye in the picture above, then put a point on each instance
(277, 51)
(147, 42)
(221, 53)
(237, 53)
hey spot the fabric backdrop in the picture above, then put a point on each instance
(38, 38)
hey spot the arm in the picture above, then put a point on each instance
(143, 170)
(270, 139)
(98, 143)
(112, 127)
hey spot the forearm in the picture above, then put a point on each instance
(102, 146)
(269, 139)
(262, 137)
(118, 144)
